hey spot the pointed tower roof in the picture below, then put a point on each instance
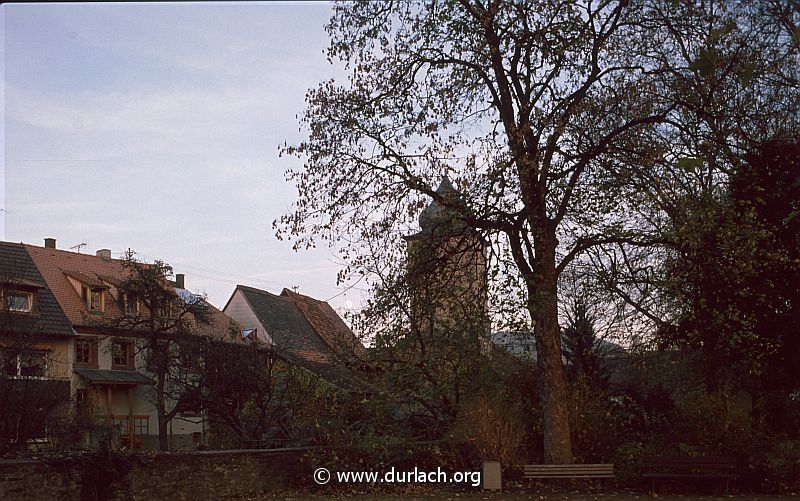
(439, 220)
(436, 217)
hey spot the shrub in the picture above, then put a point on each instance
(774, 466)
(494, 430)
(712, 424)
(594, 424)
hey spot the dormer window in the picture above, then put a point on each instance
(96, 300)
(19, 301)
(89, 288)
(92, 298)
(250, 334)
(130, 305)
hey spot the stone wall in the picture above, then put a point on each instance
(180, 476)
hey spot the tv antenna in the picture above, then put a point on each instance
(78, 247)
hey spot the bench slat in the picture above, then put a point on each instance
(567, 466)
(566, 476)
(682, 462)
(559, 472)
(689, 475)
(545, 472)
(569, 471)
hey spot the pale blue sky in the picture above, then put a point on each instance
(156, 127)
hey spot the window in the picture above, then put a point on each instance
(130, 305)
(10, 363)
(33, 364)
(188, 358)
(122, 355)
(81, 397)
(86, 352)
(165, 309)
(19, 301)
(189, 405)
(141, 426)
(96, 300)
(29, 363)
(92, 298)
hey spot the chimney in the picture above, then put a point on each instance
(180, 280)
(104, 253)
(50, 243)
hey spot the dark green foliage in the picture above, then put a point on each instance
(27, 407)
(767, 191)
(236, 382)
(595, 422)
(101, 472)
(738, 275)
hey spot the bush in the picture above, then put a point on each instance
(594, 424)
(494, 430)
(774, 467)
(712, 425)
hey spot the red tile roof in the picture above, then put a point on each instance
(327, 324)
(56, 265)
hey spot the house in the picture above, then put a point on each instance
(75, 298)
(301, 330)
(35, 336)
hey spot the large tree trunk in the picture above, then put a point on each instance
(543, 307)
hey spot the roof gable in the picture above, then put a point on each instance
(293, 336)
(327, 324)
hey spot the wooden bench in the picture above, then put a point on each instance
(662, 468)
(545, 471)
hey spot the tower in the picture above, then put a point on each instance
(447, 273)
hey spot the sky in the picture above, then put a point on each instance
(156, 127)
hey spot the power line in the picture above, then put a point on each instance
(220, 276)
(236, 279)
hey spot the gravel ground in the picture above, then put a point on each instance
(530, 496)
(519, 496)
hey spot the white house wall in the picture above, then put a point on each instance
(240, 311)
